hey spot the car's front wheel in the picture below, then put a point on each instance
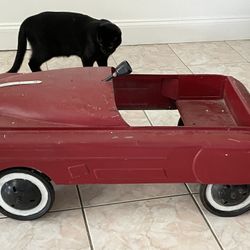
(25, 194)
(225, 200)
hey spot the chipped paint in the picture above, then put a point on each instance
(234, 140)
(114, 116)
(9, 84)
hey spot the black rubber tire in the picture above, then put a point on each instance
(215, 211)
(43, 181)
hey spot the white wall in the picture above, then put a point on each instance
(142, 21)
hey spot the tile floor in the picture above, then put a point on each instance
(160, 216)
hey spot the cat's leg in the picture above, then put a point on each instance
(37, 59)
(102, 61)
(87, 62)
(35, 64)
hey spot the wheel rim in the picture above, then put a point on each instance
(21, 194)
(24, 209)
(228, 197)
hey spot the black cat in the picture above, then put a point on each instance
(52, 34)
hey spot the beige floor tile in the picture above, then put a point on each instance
(242, 47)
(64, 62)
(194, 187)
(169, 223)
(240, 71)
(134, 117)
(150, 59)
(232, 232)
(164, 70)
(71, 62)
(112, 62)
(59, 230)
(66, 197)
(107, 194)
(207, 52)
(163, 117)
(7, 59)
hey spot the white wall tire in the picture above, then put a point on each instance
(225, 200)
(25, 194)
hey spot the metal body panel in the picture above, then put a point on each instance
(130, 156)
(73, 97)
(69, 128)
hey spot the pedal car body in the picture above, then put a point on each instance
(66, 127)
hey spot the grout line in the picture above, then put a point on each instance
(180, 58)
(64, 210)
(151, 124)
(114, 60)
(47, 67)
(236, 51)
(212, 64)
(137, 200)
(217, 63)
(85, 218)
(189, 189)
(51, 211)
(205, 218)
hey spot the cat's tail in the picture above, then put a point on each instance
(21, 49)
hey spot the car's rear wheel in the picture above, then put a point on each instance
(225, 200)
(25, 194)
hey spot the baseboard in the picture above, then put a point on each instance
(177, 31)
(159, 31)
(8, 35)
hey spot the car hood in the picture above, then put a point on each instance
(66, 97)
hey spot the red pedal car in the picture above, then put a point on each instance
(64, 126)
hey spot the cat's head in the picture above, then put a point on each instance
(109, 36)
